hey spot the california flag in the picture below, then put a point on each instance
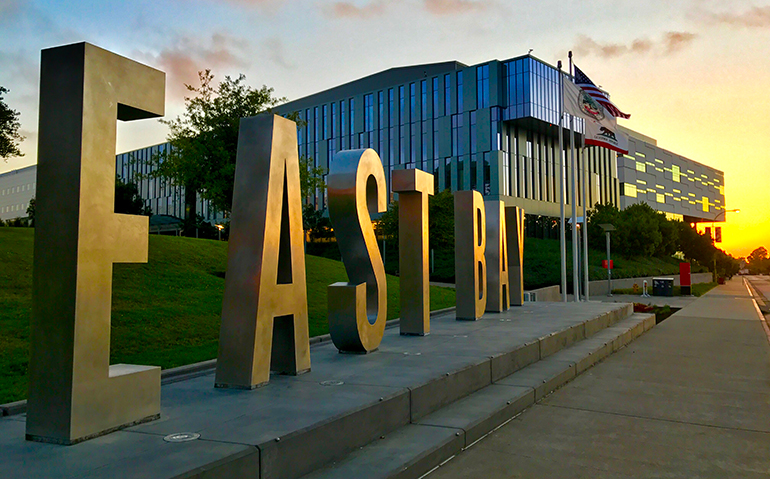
(601, 128)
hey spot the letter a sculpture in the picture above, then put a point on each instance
(265, 303)
(74, 392)
(357, 310)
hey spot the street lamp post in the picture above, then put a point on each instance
(714, 232)
(607, 229)
(219, 231)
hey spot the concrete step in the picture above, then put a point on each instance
(415, 449)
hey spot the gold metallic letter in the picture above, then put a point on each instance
(514, 222)
(265, 302)
(358, 309)
(413, 187)
(470, 264)
(498, 299)
(74, 393)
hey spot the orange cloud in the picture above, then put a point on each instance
(183, 60)
(756, 17)
(448, 7)
(350, 10)
(672, 42)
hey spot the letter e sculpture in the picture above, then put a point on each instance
(470, 263)
(358, 309)
(498, 289)
(413, 187)
(74, 392)
(264, 311)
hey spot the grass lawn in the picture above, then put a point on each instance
(698, 289)
(164, 313)
(542, 260)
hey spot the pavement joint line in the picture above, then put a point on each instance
(659, 419)
(756, 307)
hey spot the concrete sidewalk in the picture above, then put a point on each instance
(691, 398)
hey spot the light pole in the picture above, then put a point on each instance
(607, 227)
(219, 231)
(714, 232)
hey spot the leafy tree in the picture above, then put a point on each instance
(606, 214)
(310, 177)
(694, 245)
(315, 223)
(31, 212)
(128, 200)
(204, 139)
(758, 261)
(9, 130)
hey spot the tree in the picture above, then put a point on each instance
(758, 261)
(311, 178)
(204, 139)
(9, 130)
(31, 212)
(127, 199)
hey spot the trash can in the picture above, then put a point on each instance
(662, 286)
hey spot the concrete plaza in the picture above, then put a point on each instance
(689, 399)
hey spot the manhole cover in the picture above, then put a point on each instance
(182, 437)
(332, 382)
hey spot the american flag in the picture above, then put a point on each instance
(589, 87)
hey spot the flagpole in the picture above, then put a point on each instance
(575, 257)
(586, 181)
(562, 174)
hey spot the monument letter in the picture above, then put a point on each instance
(514, 222)
(470, 263)
(74, 393)
(413, 187)
(498, 289)
(357, 310)
(264, 310)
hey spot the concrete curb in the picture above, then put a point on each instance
(194, 370)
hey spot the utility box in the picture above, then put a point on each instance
(685, 279)
(662, 286)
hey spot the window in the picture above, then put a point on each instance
(473, 137)
(343, 125)
(660, 198)
(460, 91)
(447, 95)
(424, 100)
(326, 122)
(435, 98)
(629, 189)
(641, 167)
(705, 204)
(675, 173)
(368, 112)
(457, 124)
(352, 110)
(412, 101)
(482, 86)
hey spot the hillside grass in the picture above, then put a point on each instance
(542, 264)
(165, 312)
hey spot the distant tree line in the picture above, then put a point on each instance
(642, 231)
(758, 261)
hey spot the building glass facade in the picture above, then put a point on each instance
(489, 127)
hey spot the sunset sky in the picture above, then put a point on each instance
(693, 74)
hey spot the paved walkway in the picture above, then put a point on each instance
(691, 398)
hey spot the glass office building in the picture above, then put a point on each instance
(682, 188)
(489, 127)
